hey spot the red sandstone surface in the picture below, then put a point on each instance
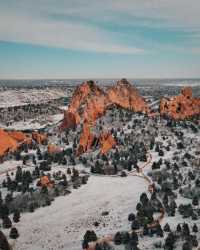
(89, 102)
(52, 149)
(107, 142)
(10, 141)
(182, 106)
(39, 138)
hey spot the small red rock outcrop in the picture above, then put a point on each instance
(182, 106)
(39, 138)
(86, 139)
(53, 149)
(11, 140)
(107, 142)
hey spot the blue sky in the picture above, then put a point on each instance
(105, 39)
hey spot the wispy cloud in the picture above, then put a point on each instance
(84, 25)
(18, 26)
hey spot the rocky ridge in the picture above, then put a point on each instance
(182, 106)
(89, 102)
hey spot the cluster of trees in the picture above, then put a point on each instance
(7, 223)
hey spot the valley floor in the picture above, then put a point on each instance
(63, 224)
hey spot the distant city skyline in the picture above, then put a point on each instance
(70, 39)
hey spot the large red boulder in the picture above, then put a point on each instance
(182, 106)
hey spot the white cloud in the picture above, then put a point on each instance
(31, 21)
(71, 35)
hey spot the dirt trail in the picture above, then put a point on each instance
(135, 173)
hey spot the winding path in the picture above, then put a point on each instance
(135, 173)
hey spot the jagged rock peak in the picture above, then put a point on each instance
(187, 92)
(123, 82)
(86, 88)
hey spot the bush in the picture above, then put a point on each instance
(13, 233)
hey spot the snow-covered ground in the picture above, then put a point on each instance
(10, 98)
(35, 124)
(63, 224)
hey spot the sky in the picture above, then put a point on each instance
(99, 39)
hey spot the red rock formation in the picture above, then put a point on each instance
(86, 139)
(18, 135)
(46, 182)
(7, 143)
(107, 142)
(69, 121)
(80, 100)
(10, 141)
(53, 149)
(89, 102)
(126, 96)
(182, 106)
(39, 138)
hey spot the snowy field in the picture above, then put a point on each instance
(63, 224)
(35, 124)
(13, 98)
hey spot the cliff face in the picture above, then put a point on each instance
(89, 102)
(104, 141)
(86, 97)
(182, 106)
(86, 139)
(126, 96)
(107, 142)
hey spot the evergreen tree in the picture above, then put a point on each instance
(135, 225)
(7, 222)
(90, 236)
(14, 233)
(16, 216)
(18, 175)
(186, 230)
(118, 238)
(4, 245)
(169, 242)
(195, 228)
(159, 231)
(131, 217)
(187, 246)
(167, 228)
(195, 201)
(178, 228)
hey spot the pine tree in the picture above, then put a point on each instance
(18, 175)
(13, 233)
(159, 231)
(16, 216)
(178, 228)
(4, 242)
(167, 228)
(135, 225)
(131, 217)
(195, 228)
(195, 201)
(186, 246)
(118, 238)
(186, 230)
(7, 222)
